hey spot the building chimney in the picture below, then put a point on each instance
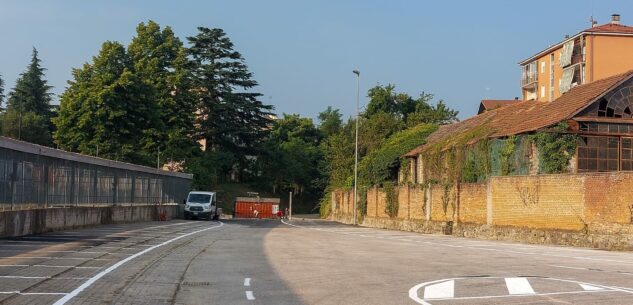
(615, 19)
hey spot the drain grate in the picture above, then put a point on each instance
(195, 284)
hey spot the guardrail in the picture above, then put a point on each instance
(34, 176)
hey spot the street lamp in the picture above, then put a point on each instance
(356, 152)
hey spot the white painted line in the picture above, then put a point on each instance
(32, 293)
(590, 287)
(247, 281)
(444, 290)
(250, 296)
(101, 274)
(518, 285)
(40, 277)
(56, 257)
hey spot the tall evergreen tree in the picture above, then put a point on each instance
(32, 92)
(105, 110)
(160, 61)
(230, 116)
(28, 111)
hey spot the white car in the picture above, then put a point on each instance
(202, 205)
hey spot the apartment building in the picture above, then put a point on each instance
(595, 53)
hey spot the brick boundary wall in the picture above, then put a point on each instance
(588, 210)
(35, 221)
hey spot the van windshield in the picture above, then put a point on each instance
(199, 198)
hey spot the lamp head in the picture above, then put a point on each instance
(356, 72)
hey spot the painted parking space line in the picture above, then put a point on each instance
(247, 281)
(250, 296)
(113, 267)
(518, 285)
(441, 290)
(32, 293)
(55, 257)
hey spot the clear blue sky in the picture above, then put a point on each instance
(303, 52)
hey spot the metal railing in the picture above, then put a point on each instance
(33, 176)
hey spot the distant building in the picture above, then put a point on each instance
(592, 54)
(487, 105)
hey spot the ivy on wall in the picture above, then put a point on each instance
(391, 204)
(555, 148)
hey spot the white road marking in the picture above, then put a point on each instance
(32, 293)
(57, 257)
(590, 287)
(518, 285)
(442, 290)
(40, 277)
(101, 274)
(247, 281)
(250, 296)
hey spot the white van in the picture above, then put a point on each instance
(202, 205)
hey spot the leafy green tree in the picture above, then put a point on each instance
(105, 110)
(35, 127)
(338, 162)
(31, 92)
(293, 154)
(330, 122)
(230, 117)
(160, 62)
(439, 114)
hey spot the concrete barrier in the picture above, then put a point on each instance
(35, 221)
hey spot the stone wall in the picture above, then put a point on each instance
(574, 209)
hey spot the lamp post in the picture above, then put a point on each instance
(356, 145)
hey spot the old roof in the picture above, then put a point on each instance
(526, 116)
(611, 28)
(487, 105)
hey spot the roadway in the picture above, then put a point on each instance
(299, 262)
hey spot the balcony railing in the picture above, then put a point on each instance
(529, 78)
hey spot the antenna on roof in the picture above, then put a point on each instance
(592, 21)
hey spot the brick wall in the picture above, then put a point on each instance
(473, 203)
(542, 202)
(559, 202)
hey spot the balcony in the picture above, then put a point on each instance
(528, 79)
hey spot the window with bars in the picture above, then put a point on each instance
(626, 162)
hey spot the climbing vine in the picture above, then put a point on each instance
(506, 160)
(555, 148)
(391, 206)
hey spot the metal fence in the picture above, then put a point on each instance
(37, 176)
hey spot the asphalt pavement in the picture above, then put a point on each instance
(299, 262)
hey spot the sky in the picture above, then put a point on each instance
(302, 53)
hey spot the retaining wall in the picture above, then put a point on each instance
(35, 221)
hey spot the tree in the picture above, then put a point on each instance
(28, 112)
(31, 92)
(160, 62)
(105, 110)
(330, 121)
(230, 117)
(439, 114)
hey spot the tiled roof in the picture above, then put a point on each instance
(526, 116)
(611, 28)
(487, 105)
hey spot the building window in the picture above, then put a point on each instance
(542, 67)
(626, 164)
(551, 77)
(598, 154)
(542, 91)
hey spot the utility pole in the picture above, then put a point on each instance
(356, 152)
(290, 208)
(158, 158)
